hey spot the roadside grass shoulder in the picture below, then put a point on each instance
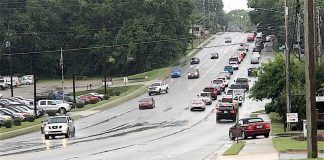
(151, 75)
(23, 125)
(283, 144)
(235, 148)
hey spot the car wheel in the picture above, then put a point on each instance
(166, 91)
(28, 83)
(231, 136)
(46, 136)
(149, 94)
(266, 135)
(62, 111)
(244, 135)
(160, 91)
(67, 135)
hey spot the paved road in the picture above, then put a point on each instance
(170, 131)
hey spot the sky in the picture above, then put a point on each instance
(234, 4)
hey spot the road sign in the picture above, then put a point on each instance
(292, 117)
(238, 95)
(125, 79)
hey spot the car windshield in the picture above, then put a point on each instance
(228, 67)
(192, 70)
(57, 120)
(227, 100)
(218, 81)
(221, 107)
(205, 94)
(255, 120)
(156, 84)
(233, 59)
(208, 89)
(176, 70)
(196, 101)
(230, 91)
(242, 80)
(146, 99)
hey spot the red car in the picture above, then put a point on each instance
(250, 127)
(213, 91)
(146, 103)
(250, 38)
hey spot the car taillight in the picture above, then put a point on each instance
(232, 111)
(267, 126)
(214, 92)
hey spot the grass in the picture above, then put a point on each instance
(23, 125)
(151, 75)
(256, 113)
(275, 117)
(277, 128)
(283, 144)
(235, 148)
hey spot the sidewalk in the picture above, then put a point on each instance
(259, 149)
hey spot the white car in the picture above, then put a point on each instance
(224, 79)
(234, 65)
(158, 87)
(206, 97)
(54, 106)
(58, 126)
(197, 103)
(1, 96)
(25, 80)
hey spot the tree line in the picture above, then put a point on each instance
(116, 37)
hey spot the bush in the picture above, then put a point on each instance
(80, 105)
(17, 121)
(270, 107)
(106, 97)
(30, 118)
(117, 93)
(8, 123)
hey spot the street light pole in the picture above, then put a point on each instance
(10, 63)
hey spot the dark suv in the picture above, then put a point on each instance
(226, 111)
(194, 60)
(214, 92)
(244, 82)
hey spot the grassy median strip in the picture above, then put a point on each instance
(235, 148)
(150, 75)
(284, 144)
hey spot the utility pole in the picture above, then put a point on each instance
(34, 75)
(298, 34)
(10, 66)
(316, 32)
(288, 93)
(318, 37)
(310, 79)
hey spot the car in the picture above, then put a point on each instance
(251, 72)
(193, 73)
(8, 101)
(226, 74)
(234, 65)
(229, 92)
(213, 91)
(224, 79)
(176, 73)
(194, 60)
(58, 126)
(88, 99)
(256, 54)
(226, 111)
(158, 87)
(234, 59)
(3, 84)
(53, 106)
(25, 80)
(229, 69)
(243, 81)
(254, 60)
(250, 38)
(214, 55)
(250, 127)
(100, 96)
(1, 96)
(13, 114)
(206, 97)
(228, 40)
(197, 104)
(257, 49)
(239, 86)
(146, 103)
(228, 98)
(220, 83)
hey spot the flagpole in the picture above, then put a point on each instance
(62, 68)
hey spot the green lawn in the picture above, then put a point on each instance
(23, 125)
(283, 144)
(256, 113)
(277, 128)
(235, 148)
(151, 75)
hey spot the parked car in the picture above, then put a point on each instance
(57, 126)
(214, 55)
(8, 101)
(26, 80)
(226, 111)
(194, 60)
(158, 87)
(11, 113)
(213, 91)
(146, 103)
(3, 84)
(1, 96)
(193, 73)
(229, 69)
(53, 106)
(250, 127)
(197, 104)
(100, 96)
(176, 73)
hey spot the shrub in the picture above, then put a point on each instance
(270, 107)
(117, 93)
(106, 97)
(80, 105)
(30, 118)
(8, 123)
(17, 121)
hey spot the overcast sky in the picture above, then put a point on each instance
(234, 4)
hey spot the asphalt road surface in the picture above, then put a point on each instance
(170, 131)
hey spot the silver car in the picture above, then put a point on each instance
(58, 126)
(206, 97)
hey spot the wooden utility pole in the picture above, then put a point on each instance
(310, 79)
(288, 93)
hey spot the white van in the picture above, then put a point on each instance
(26, 80)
